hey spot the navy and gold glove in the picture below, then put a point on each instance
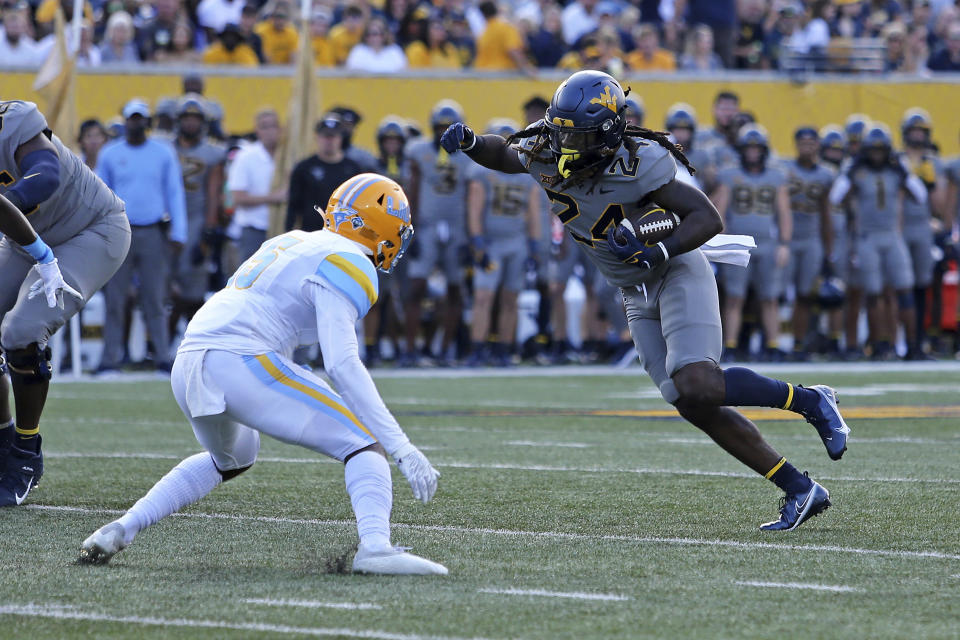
(631, 250)
(480, 258)
(458, 137)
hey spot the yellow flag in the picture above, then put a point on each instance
(56, 83)
(297, 141)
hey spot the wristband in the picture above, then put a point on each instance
(476, 147)
(39, 251)
(666, 254)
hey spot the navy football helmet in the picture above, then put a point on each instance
(831, 292)
(856, 127)
(681, 115)
(192, 103)
(504, 127)
(831, 137)
(753, 135)
(586, 115)
(391, 127)
(635, 110)
(445, 113)
(878, 137)
(916, 118)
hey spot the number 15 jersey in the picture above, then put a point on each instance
(264, 306)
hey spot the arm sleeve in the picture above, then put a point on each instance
(337, 335)
(916, 188)
(237, 176)
(840, 189)
(176, 199)
(103, 169)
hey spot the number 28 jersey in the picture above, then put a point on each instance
(267, 307)
(590, 209)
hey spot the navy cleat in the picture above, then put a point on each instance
(828, 422)
(795, 509)
(21, 473)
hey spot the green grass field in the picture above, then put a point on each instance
(610, 517)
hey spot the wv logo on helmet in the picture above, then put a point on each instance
(606, 99)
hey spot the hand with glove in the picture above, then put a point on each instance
(631, 250)
(458, 137)
(51, 283)
(478, 250)
(418, 471)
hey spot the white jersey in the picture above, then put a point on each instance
(266, 306)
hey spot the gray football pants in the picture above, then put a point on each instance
(150, 259)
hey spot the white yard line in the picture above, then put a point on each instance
(519, 467)
(57, 612)
(548, 443)
(573, 595)
(312, 604)
(798, 585)
(546, 535)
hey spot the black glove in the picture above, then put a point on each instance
(457, 137)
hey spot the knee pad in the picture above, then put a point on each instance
(30, 365)
(905, 299)
(229, 474)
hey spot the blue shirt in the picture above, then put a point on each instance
(148, 179)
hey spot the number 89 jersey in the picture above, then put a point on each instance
(589, 209)
(753, 198)
(264, 306)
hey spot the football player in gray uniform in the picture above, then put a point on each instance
(681, 123)
(754, 201)
(918, 217)
(437, 189)
(809, 183)
(595, 169)
(832, 145)
(83, 224)
(503, 218)
(202, 162)
(873, 188)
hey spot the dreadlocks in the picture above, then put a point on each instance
(593, 170)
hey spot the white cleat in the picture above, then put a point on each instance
(394, 561)
(102, 544)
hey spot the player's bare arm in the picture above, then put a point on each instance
(14, 224)
(699, 219)
(490, 151)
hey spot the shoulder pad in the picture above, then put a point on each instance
(352, 275)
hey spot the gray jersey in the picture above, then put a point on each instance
(876, 196)
(506, 202)
(808, 189)
(362, 157)
(442, 192)
(753, 198)
(80, 200)
(589, 209)
(196, 162)
(929, 170)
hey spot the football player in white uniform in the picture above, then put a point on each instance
(234, 378)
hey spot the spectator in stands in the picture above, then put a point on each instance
(779, 38)
(88, 55)
(117, 45)
(16, 46)
(279, 37)
(347, 34)
(499, 47)
(47, 10)
(394, 12)
(948, 59)
(157, 33)
(917, 51)
(546, 44)
(319, 38)
(248, 23)
(748, 51)
(91, 139)
(848, 22)
(377, 53)
(145, 173)
(182, 50)
(649, 56)
(214, 15)
(876, 14)
(698, 54)
(250, 180)
(230, 49)
(314, 179)
(895, 40)
(579, 19)
(437, 51)
(600, 52)
(462, 38)
(721, 16)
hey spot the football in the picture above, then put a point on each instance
(651, 223)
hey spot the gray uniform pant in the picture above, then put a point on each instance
(86, 261)
(675, 321)
(149, 257)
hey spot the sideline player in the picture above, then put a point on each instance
(437, 186)
(503, 218)
(832, 144)
(809, 183)
(753, 199)
(591, 165)
(234, 378)
(83, 223)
